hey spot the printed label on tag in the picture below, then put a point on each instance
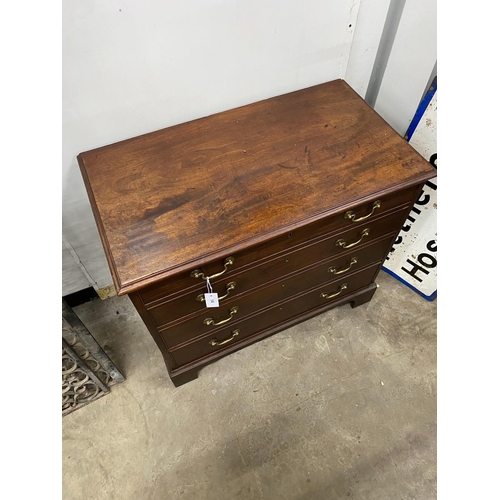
(212, 300)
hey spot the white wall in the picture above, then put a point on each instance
(369, 26)
(133, 67)
(410, 65)
(411, 61)
(74, 278)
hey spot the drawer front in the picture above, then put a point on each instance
(239, 308)
(172, 286)
(242, 283)
(218, 341)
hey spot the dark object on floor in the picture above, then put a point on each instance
(80, 297)
(87, 371)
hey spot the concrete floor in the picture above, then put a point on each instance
(340, 406)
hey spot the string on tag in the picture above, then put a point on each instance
(211, 298)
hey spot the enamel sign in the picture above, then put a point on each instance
(413, 257)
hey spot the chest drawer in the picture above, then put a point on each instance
(237, 286)
(238, 308)
(231, 335)
(288, 204)
(355, 234)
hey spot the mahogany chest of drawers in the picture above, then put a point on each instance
(289, 206)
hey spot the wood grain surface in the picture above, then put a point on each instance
(283, 311)
(175, 309)
(174, 199)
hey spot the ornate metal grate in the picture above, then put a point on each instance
(87, 371)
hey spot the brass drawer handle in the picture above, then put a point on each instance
(352, 216)
(342, 243)
(215, 342)
(211, 321)
(354, 260)
(324, 295)
(230, 286)
(197, 273)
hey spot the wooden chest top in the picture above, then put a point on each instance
(174, 199)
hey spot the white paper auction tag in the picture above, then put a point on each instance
(211, 298)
